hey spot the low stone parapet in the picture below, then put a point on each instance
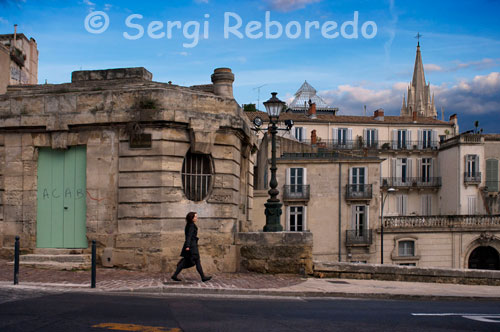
(406, 273)
(275, 252)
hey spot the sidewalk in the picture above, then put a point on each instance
(238, 284)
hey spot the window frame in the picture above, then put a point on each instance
(290, 213)
(189, 193)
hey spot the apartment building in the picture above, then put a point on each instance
(415, 171)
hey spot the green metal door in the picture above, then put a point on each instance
(61, 198)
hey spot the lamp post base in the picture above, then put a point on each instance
(273, 214)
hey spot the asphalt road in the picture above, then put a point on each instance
(22, 310)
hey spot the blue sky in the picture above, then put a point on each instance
(460, 48)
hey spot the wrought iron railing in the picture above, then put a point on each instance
(450, 221)
(359, 237)
(358, 191)
(375, 145)
(474, 177)
(408, 182)
(296, 192)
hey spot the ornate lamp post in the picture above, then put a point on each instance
(273, 205)
(390, 190)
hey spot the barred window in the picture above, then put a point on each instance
(406, 248)
(197, 173)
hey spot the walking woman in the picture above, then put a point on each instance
(190, 254)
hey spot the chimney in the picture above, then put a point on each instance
(414, 117)
(379, 114)
(312, 111)
(223, 79)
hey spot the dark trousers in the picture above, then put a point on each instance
(187, 263)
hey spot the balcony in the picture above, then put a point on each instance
(358, 192)
(419, 182)
(296, 192)
(472, 178)
(359, 144)
(448, 221)
(359, 237)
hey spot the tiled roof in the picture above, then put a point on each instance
(324, 118)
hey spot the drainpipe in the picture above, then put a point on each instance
(340, 212)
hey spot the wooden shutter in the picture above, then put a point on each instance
(420, 140)
(394, 139)
(334, 136)
(434, 138)
(409, 144)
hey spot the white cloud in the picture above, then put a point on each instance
(392, 31)
(351, 99)
(107, 6)
(201, 1)
(432, 67)
(3, 21)
(289, 5)
(89, 3)
(479, 95)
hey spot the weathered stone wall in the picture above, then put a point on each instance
(280, 252)
(135, 200)
(404, 273)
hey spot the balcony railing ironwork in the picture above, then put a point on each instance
(358, 237)
(411, 182)
(358, 191)
(449, 221)
(374, 145)
(296, 192)
(474, 177)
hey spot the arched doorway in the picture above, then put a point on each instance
(485, 258)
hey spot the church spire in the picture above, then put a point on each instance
(419, 94)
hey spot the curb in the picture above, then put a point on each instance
(179, 291)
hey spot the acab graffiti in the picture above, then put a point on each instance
(57, 193)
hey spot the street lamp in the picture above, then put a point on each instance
(273, 205)
(390, 190)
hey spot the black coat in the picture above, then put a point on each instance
(191, 242)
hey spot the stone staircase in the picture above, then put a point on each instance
(57, 259)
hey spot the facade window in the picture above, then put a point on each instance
(197, 174)
(427, 139)
(472, 205)
(426, 205)
(492, 175)
(371, 137)
(300, 133)
(407, 264)
(358, 179)
(402, 170)
(360, 219)
(296, 218)
(296, 180)
(406, 248)
(342, 137)
(402, 204)
(426, 170)
(472, 165)
(402, 139)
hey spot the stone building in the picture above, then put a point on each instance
(18, 60)
(118, 158)
(440, 211)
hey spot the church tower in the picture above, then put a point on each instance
(419, 93)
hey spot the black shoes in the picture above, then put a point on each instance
(174, 278)
(205, 279)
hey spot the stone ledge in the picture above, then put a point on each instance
(111, 74)
(406, 273)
